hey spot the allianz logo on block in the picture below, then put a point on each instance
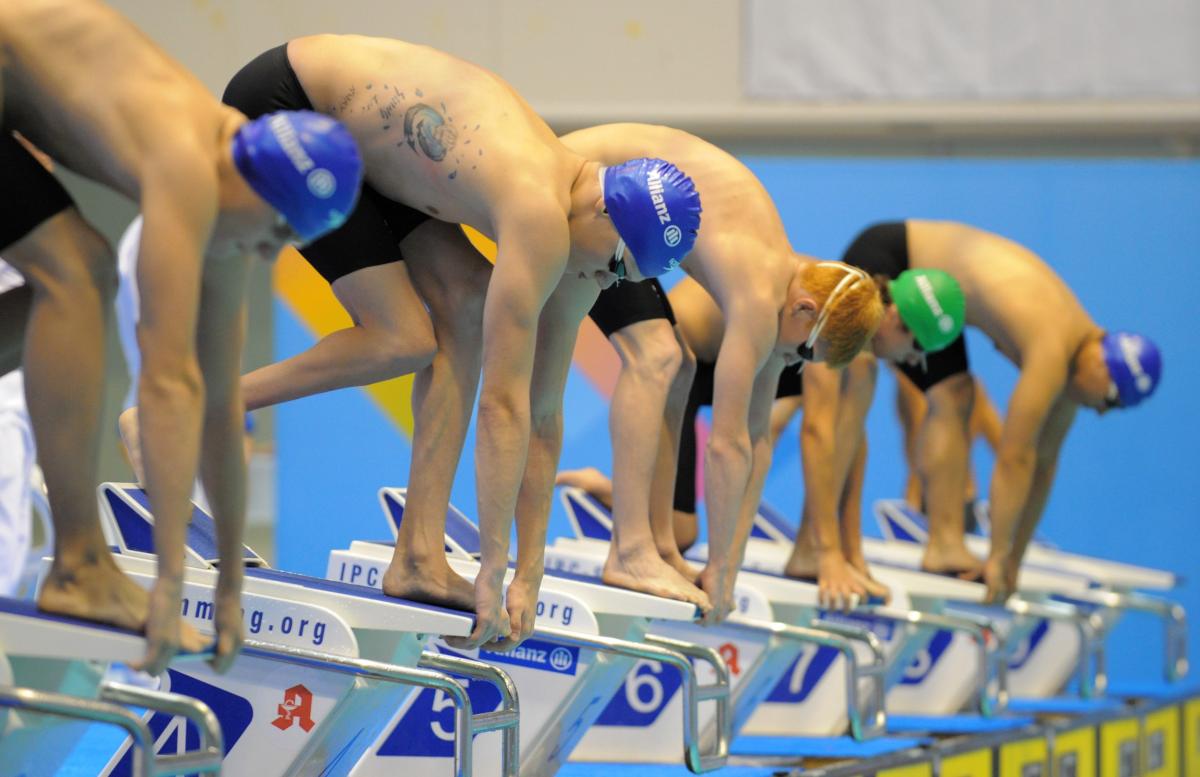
(537, 655)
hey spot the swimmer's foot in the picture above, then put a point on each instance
(676, 561)
(591, 480)
(648, 573)
(432, 583)
(127, 426)
(102, 593)
(803, 564)
(952, 562)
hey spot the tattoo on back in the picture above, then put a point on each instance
(425, 127)
(428, 131)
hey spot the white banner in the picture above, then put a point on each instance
(972, 49)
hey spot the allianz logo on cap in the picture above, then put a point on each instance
(654, 185)
(944, 321)
(285, 134)
(1130, 353)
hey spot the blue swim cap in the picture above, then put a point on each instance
(304, 164)
(656, 210)
(1134, 364)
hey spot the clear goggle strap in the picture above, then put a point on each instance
(619, 253)
(851, 279)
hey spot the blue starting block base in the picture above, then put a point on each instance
(822, 747)
(1152, 731)
(954, 725)
(658, 770)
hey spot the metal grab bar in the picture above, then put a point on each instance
(675, 654)
(1173, 615)
(51, 703)
(464, 731)
(506, 720)
(1092, 670)
(992, 670)
(205, 758)
(839, 638)
(696, 760)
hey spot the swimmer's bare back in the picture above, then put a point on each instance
(437, 133)
(89, 88)
(1013, 296)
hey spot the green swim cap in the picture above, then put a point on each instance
(931, 305)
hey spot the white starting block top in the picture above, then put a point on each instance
(602, 599)
(359, 606)
(1030, 579)
(27, 631)
(899, 521)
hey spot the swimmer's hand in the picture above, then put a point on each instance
(717, 582)
(839, 588)
(522, 610)
(1000, 575)
(230, 624)
(492, 623)
(166, 633)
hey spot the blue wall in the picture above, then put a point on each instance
(1123, 234)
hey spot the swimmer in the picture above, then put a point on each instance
(446, 142)
(91, 91)
(1066, 361)
(769, 307)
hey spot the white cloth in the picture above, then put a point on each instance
(129, 305)
(129, 308)
(17, 458)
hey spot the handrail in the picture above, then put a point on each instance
(506, 720)
(839, 638)
(698, 761)
(464, 729)
(206, 757)
(675, 654)
(992, 669)
(1173, 615)
(51, 703)
(1092, 669)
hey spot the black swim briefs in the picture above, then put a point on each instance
(29, 193)
(882, 249)
(372, 234)
(701, 395)
(627, 303)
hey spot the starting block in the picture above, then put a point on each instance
(51, 664)
(326, 664)
(1108, 590)
(587, 639)
(1048, 638)
(798, 716)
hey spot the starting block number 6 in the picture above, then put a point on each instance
(648, 680)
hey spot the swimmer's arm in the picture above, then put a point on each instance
(179, 195)
(530, 261)
(819, 449)
(728, 455)
(1057, 425)
(1043, 377)
(557, 329)
(220, 335)
(765, 386)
